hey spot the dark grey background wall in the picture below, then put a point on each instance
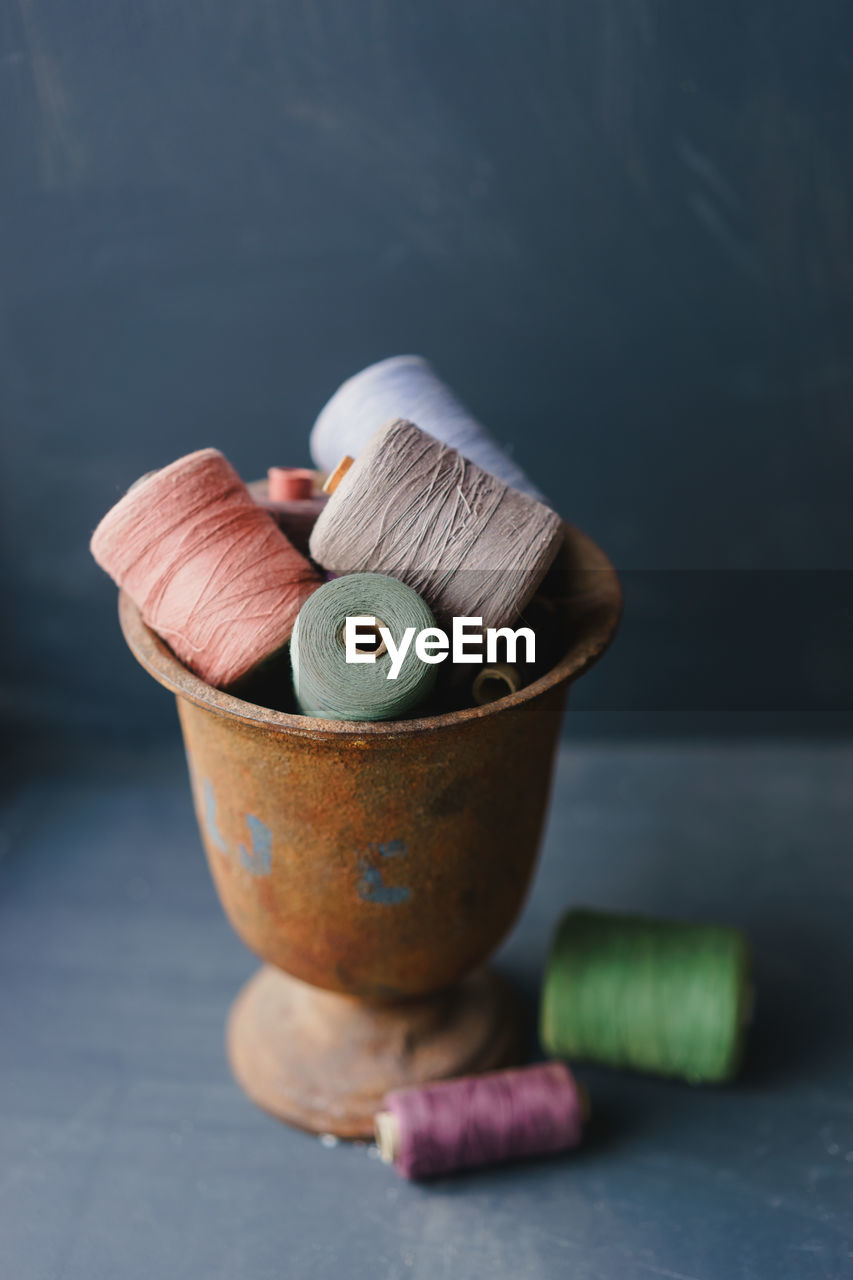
(622, 230)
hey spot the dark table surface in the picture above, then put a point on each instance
(127, 1152)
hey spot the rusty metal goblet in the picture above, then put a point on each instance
(375, 868)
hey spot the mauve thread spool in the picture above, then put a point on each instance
(481, 1120)
(407, 387)
(208, 569)
(415, 509)
(296, 514)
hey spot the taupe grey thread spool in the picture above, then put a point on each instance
(415, 509)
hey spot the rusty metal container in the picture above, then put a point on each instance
(376, 867)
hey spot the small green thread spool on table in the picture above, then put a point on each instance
(653, 995)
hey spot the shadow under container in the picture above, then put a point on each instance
(375, 867)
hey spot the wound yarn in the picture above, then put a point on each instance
(481, 1120)
(407, 387)
(207, 568)
(654, 995)
(416, 509)
(493, 681)
(295, 516)
(287, 484)
(329, 687)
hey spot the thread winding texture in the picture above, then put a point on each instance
(489, 1119)
(295, 517)
(654, 995)
(416, 509)
(208, 569)
(330, 688)
(407, 387)
(289, 484)
(497, 680)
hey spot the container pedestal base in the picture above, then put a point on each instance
(323, 1061)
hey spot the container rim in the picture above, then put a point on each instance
(591, 605)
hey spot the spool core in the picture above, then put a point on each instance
(386, 1128)
(378, 647)
(496, 681)
(338, 474)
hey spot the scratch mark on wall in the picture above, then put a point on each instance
(60, 153)
(716, 226)
(708, 173)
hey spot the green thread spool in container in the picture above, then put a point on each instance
(653, 995)
(329, 687)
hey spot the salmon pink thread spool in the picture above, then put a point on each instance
(481, 1120)
(293, 498)
(208, 569)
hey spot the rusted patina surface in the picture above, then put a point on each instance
(381, 861)
(324, 1061)
(374, 865)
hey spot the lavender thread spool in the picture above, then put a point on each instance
(481, 1120)
(407, 387)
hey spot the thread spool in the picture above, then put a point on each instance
(330, 688)
(654, 995)
(481, 1120)
(289, 484)
(495, 681)
(414, 508)
(207, 568)
(407, 387)
(297, 514)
